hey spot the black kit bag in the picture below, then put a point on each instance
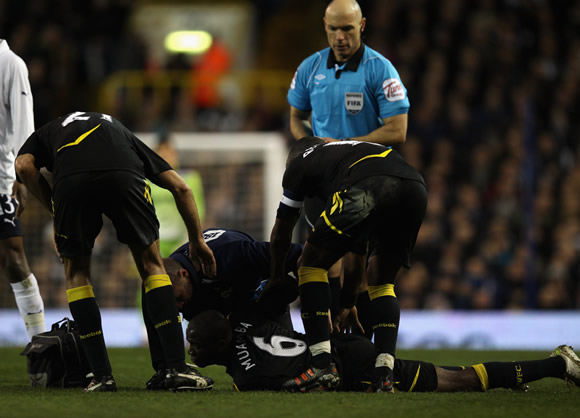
(56, 358)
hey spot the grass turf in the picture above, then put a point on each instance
(546, 398)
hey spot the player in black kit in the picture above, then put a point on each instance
(375, 201)
(243, 267)
(262, 355)
(99, 167)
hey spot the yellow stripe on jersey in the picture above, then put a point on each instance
(155, 281)
(381, 290)
(79, 139)
(381, 155)
(312, 274)
(79, 293)
(481, 372)
(415, 379)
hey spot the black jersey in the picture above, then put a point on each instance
(242, 265)
(87, 141)
(264, 355)
(325, 169)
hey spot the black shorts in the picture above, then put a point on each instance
(414, 376)
(313, 207)
(80, 200)
(355, 355)
(381, 214)
(9, 227)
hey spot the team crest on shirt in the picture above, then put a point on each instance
(353, 102)
(393, 89)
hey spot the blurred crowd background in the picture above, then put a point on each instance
(493, 125)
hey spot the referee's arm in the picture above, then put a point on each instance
(393, 131)
(300, 123)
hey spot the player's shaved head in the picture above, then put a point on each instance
(209, 334)
(301, 146)
(343, 8)
(344, 24)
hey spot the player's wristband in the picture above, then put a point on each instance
(347, 301)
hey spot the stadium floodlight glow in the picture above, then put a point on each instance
(188, 41)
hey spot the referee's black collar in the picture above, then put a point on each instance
(352, 64)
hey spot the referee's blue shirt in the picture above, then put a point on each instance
(351, 99)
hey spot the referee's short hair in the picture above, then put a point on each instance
(301, 146)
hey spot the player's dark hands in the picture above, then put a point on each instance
(20, 193)
(328, 140)
(277, 294)
(202, 258)
(346, 319)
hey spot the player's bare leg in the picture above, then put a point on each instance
(14, 266)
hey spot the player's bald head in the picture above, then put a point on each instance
(343, 8)
(344, 24)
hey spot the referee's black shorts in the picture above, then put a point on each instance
(80, 200)
(382, 214)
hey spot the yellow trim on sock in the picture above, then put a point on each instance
(155, 281)
(481, 372)
(415, 379)
(312, 274)
(382, 290)
(79, 293)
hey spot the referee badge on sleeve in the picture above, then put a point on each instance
(353, 102)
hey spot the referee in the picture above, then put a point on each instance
(348, 90)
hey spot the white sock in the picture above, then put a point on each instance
(385, 360)
(30, 305)
(319, 348)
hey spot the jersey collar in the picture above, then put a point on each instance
(352, 64)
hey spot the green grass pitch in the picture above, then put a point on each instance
(546, 398)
